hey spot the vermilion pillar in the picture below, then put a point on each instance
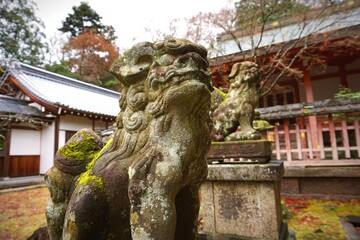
(312, 119)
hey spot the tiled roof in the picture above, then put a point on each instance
(293, 31)
(12, 105)
(61, 91)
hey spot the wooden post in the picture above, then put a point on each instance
(56, 135)
(357, 135)
(6, 172)
(345, 138)
(334, 149)
(309, 140)
(298, 141)
(312, 119)
(287, 139)
(277, 143)
(321, 141)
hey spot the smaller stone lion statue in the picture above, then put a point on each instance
(238, 105)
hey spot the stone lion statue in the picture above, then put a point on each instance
(144, 183)
(237, 107)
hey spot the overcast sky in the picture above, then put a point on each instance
(129, 18)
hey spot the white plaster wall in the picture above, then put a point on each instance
(100, 125)
(61, 138)
(47, 148)
(74, 123)
(25, 142)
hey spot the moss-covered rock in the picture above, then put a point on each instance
(80, 147)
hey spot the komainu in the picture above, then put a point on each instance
(144, 183)
(238, 105)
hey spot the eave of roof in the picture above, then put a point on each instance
(11, 105)
(293, 31)
(56, 90)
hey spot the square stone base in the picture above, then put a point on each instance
(243, 200)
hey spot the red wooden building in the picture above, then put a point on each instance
(325, 52)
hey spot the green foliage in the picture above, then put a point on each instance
(62, 69)
(84, 19)
(21, 37)
(319, 219)
(112, 84)
(2, 141)
(345, 92)
(254, 12)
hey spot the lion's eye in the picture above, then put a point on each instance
(146, 59)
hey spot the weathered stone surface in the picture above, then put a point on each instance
(257, 151)
(238, 106)
(246, 200)
(271, 171)
(70, 161)
(207, 206)
(144, 183)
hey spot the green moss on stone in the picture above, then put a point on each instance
(80, 150)
(86, 177)
(262, 125)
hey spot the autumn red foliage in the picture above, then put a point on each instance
(91, 56)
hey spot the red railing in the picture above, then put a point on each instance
(332, 136)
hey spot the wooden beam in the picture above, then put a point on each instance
(56, 138)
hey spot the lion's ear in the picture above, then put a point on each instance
(234, 70)
(128, 75)
(136, 65)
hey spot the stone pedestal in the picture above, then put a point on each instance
(242, 201)
(249, 151)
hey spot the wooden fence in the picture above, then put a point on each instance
(335, 138)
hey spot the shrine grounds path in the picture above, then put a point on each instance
(22, 211)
